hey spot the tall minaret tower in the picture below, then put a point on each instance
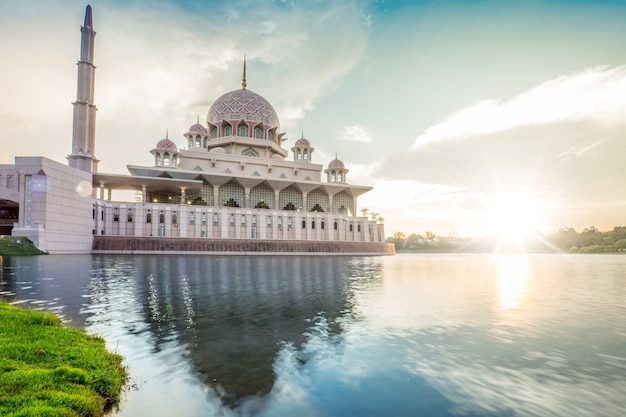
(84, 132)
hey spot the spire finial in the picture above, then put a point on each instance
(167, 133)
(198, 122)
(244, 84)
(336, 155)
(88, 18)
(302, 134)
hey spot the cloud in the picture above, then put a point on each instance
(577, 151)
(354, 133)
(594, 94)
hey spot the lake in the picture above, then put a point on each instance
(405, 335)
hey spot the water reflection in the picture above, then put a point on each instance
(230, 314)
(513, 276)
(427, 335)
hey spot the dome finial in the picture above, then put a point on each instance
(198, 122)
(244, 84)
(167, 133)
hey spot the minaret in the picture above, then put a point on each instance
(84, 132)
(244, 84)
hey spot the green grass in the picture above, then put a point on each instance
(47, 369)
(18, 246)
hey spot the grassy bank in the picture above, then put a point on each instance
(18, 246)
(47, 369)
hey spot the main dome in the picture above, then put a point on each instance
(245, 105)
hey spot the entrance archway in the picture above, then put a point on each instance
(9, 214)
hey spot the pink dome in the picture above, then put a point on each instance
(198, 128)
(243, 105)
(302, 142)
(336, 164)
(167, 144)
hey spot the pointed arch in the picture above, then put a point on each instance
(290, 198)
(243, 129)
(262, 196)
(342, 203)
(232, 194)
(317, 200)
(227, 129)
(250, 152)
(257, 132)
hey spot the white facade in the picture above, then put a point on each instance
(52, 212)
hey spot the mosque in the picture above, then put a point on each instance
(231, 188)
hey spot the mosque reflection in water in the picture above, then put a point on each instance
(233, 314)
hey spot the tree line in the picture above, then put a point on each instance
(566, 240)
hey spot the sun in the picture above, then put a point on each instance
(512, 217)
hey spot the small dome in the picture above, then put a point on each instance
(219, 149)
(336, 164)
(198, 128)
(302, 142)
(243, 105)
(167, 144)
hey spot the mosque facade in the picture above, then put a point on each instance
(230, 187)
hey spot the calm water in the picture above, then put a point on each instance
(406, 335)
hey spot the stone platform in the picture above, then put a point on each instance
(168, 245)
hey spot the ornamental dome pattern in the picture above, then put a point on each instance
(242, 104)
(302, 142)
(336, 164)
(166, 144)
(198, 128)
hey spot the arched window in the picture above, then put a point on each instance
(313, 224)
(149, 217)
(340, 176)
(198, 143)
(304, 224)
(298, 154)
(250, 152)
(162, 218)
(305, 154)
(258, 132)
(129, 218)
(166, 160)
(215, 220)
(192, 218)
(322, 225)
(271, 136)
(351, 227)
(158, 159)
(174, 218)
(333, 176)
(214, 132)
(335, 226)
(242, 130)
(227, 130)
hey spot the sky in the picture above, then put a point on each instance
(465, 116)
